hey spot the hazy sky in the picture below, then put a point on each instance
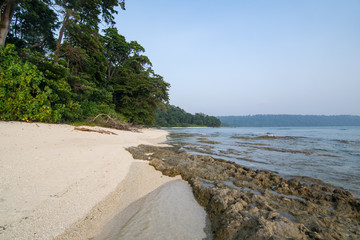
(240, 57)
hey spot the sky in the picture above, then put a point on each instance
(245, 57)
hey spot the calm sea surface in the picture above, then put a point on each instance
(331, 154)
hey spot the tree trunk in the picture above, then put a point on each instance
(61, 34)
(111, 71)
(39, 44)
(5, 19)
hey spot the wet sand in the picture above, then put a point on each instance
(164, 213)
(60, 183)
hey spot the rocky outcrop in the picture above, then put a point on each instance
(247, 204)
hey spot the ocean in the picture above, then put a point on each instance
(330, 154)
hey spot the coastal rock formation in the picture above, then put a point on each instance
(247, 204)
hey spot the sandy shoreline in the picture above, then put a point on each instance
(58, 182)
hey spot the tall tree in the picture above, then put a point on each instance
(85, 12)
(84, 54)
(7, 11)
(117, 51)
(33, 25)
(137, 90)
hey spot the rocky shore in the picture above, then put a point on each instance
(246, 204)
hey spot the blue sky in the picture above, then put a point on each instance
(237, 57)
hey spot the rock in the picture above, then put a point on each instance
(246, 204)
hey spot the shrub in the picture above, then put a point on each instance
(24, 92)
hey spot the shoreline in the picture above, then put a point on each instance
(257, 204)
(54, 177)
(184, 127)
(322, 153)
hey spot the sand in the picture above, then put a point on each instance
(56, 182)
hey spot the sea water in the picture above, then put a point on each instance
(330, 154)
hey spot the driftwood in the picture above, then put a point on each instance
(94, 130)
(107, 121)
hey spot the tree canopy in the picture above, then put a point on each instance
(173, 116)
(58, 65)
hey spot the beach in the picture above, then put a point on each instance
(60, 183)
(64, 182)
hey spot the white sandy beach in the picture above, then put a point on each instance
(56, 182)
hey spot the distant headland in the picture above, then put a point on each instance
(284, 120)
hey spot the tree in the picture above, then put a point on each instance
(173, 116)
(137, 90)
(84, 54)
(117, 51)
(85, 12)
(137, 95)
(7, 11)
(33, 26)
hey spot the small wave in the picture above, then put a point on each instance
(250, 160)
(265, 137)
(283, 150)
(207, 141)
(246, 144)
(348, 142)
(328, 155)
(200, 149)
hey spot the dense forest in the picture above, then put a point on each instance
(289, 120)
(173, 116)
(56, 64)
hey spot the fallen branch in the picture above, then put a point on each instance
(94, 130)
(107, 121)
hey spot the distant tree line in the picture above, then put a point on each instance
(173, 116)
(289, 120)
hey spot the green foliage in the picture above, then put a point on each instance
(139, 95)
(138, 91)
(173, 116)
(90, 11)
(84, 74)
(86, 62)
(57, 77)
(33, 26)
(90, 108)
(25, 94)
(83, 123)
